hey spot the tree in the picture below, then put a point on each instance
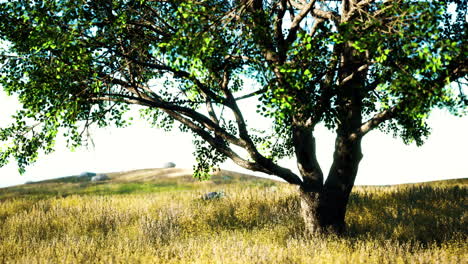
(354, 66)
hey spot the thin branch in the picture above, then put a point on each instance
(266, 166)
(297, 21)
(319, 13)
(454, 71)
(177, 73)
(249, 146)
(258, 92)
(211, 112)
(351, 76)
(232, 104)
(329, 15)
(156, 14)
(356, 8)
(374, 122)
(262, 165)
(314, 28)
(150, 27)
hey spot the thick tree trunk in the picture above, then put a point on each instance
(324, 211)
(324, 207)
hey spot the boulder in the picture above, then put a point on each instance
(100, 177)
(213, 195)
(168, 165)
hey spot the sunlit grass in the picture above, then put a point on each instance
(257, 222)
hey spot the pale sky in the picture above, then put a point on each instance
(386, 159)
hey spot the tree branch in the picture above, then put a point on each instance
(261, 164)
(355, 8)
(297, 21)
(454, 71)
(250, 147)
(319, 13)
(158, 102)
(314, 28)
(351, 76)
(374, 122)
(258, 92)
(211, 112)
(178, 73)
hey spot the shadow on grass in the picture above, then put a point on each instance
(420, 213)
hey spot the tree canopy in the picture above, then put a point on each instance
(352, 65)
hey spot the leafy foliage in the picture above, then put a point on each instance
(354, 65)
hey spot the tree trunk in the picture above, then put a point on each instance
(324, 211)
(310, 202)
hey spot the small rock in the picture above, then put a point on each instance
(213, 195)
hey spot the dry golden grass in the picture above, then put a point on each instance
(165, 221)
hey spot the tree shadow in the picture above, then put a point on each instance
(422, 214)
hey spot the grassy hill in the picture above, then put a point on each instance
(130, 182)
(158, 216)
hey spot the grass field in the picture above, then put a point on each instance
(148, 218)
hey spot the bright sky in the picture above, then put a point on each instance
(386, 159)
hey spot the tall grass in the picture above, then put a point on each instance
(254, 223)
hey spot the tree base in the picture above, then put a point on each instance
(320, 214)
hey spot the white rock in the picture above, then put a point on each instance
(168, 165)
(100, 177)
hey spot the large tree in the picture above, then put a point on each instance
(352, 65)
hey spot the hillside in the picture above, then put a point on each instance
(128, 182)
(159, 216)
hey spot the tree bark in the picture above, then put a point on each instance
(324, 211)
(340, 182)
(310, 203)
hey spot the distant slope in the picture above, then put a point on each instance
(461, 181)
(134, 181)
(145, 175)
(148, 175)
(162, 180)
(439, 183)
